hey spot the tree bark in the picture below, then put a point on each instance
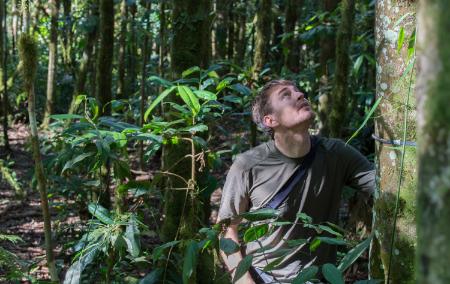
(262, 36)
(29, 57)
(290, 44)
(52, 60)
(394, 88)
(3, 73)
(162, 37)
(122, 48)
(105, 56)
(132, 52)
(221, 24)
(241, 43)
(434, 142)
(340, 96)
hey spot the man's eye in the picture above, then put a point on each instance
(285, 94)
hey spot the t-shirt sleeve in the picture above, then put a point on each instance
(235, 198)
(359, 172)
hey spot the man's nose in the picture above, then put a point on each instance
(299, 95)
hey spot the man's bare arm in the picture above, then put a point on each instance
(233, 260)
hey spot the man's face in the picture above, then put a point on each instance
(290, 109)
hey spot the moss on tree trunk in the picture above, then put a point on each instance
(433, 197)
(262, 35)
(394, 89)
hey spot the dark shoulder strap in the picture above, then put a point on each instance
(281, 195)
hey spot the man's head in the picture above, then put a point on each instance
(280, 105)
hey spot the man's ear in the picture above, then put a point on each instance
(270, 121)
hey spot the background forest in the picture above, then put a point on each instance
(121, 118)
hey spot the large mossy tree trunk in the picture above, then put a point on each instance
(340, 96)
(291, 43)
(185, 211)
(3, 74)
(52, 60)
(394, 89)
(29, 57)
(327, 54)
(262, 36)
(104, 82)
(432, 91)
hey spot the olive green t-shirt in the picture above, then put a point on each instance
(259, 173)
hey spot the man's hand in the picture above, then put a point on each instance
(232, 260)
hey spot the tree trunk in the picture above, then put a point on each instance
(394, 89)
(340, 96)
(3, 73)
(276, 45)
(231, 32)
(433, 145)
(122, 47)
(162, 37)
(143, 93)
(105, 56)
(290, 44)
(132, 52)
(262, 36)
(52, 58)
(221, 24)
(241, 43)
(29, 57)
(86, 59)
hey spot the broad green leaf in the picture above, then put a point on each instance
(148, 136)
(224, 83)
(314, 244)
(66, 116)
(153, 277)
(233, 99)
(306, 274)
(332, 241)
(79, 99)
(353, 254)
(241, 89)
(195, 128)
(332, 274)
(131, 237)
(255, 232)
(190, 71)
(190, 99)
(100, 212)
(369, 281)
(273, 264)
(329, 230)
(368, 116)
(304, 218)
(73, 274)
(401, 38)
(228, 246)
(358, 64)
(260, 214)
(157, 252)
(158, 99)
(243, 267)
(160, 81)
(190, 260)
(205, 95)
(69, 164)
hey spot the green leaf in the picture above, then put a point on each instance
(73, 274)
(369, 281)
(158, 99)
(205, 95)
(243, 267)
(190, 71)
(69, 164)
(353, 254)
(131, 237)
(100, 213)
(255, 232)
(241, 89)
(66, 116)
(296, 242)
(400, 40)
(306, 274)
(191, 100)
(273, 264)
(157, 252)
(190, 260)
(332, 241)
(314, 244)
(329, 230)
(153, 277)
(228, 246)
(368, 116)
(358, 64)
(260, 214)
(160, 81)
(195, 128)
(304, 218)
(332, 274)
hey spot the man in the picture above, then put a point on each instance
(258, 174)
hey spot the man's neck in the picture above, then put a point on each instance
(293, 144)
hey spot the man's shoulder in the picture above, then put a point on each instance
(331, 144)
(252, 157)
